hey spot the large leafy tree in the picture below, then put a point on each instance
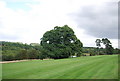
(61, 42)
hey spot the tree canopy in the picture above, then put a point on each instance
(60, 42)
(19, 51)
(108, 45)
(98, 41)
(98, 44)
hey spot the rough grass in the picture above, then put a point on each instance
(89, 67)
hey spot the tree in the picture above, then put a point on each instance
(60, 42)
(116, 51)
(18, 51)
(33, 54)
(92, 52)
(22, 54)
(105, 41)
(108, 46)
(109, 49)
(98, 41)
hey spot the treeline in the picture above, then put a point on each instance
(98, 51)
(18, 51)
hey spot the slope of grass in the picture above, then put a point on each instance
(89, 67)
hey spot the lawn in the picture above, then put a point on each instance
(87, 67)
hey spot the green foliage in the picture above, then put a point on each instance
(105, 41)
(98, 44)
(102, 51)
(93, 52)
(60, 43)
(109, 49)
(98, 41)
(108, 46)
(22, 54)
(116, 51)
(18, 51)
(33, 54)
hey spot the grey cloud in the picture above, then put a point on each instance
(98, 21)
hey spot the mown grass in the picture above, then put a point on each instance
(89, 67)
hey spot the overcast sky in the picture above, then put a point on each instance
(27, 20)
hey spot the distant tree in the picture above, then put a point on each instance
(105, 41)
(18, 51)
(98, 41)
(109, 49)
(116, 51)
(102, 51)
(108, 46)
(92, 52)
(60, 42)
(98, 44)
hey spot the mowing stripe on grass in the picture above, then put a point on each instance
(89, 67)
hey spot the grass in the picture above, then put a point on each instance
(89, 67)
